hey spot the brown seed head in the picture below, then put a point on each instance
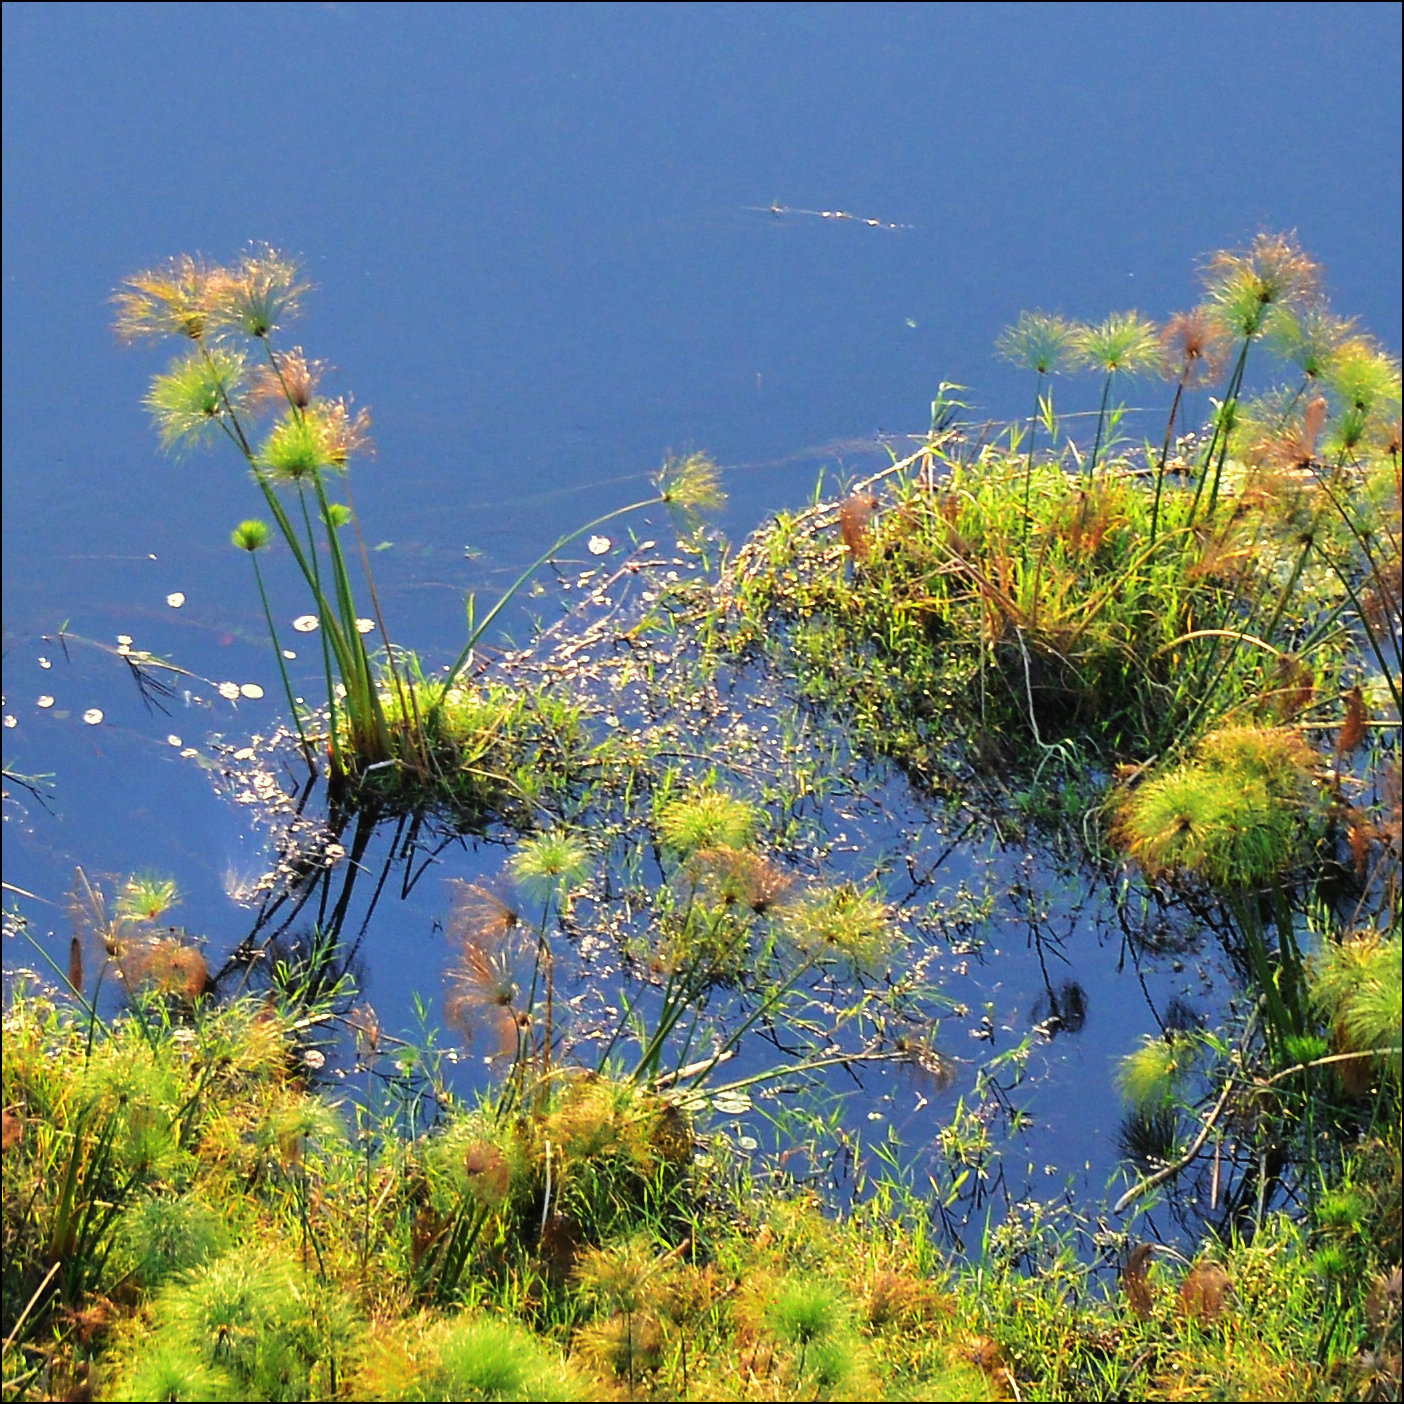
(1135, 1281)
(1194, 347)
(294, 382)
(855, 514)
(1203, 1293)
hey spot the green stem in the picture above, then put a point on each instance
(1101, 416)
(1165, 450)
(1028, 469)
(282, 664)
(1220, 437)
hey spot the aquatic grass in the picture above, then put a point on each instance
(1245, 290)
(481, 752)
(1074, 641)
(1356, 985)
(247, 1320)
(1193, 349)
(807, 1313)
(1152, 1075)
(254, 536)
(701, 1279)
(706, 819)
(489, 1359)
(689, 487)
(1243, 814)
(375, 715)
(999, 625)
(201, 394)
(192, 401)
(844, 925)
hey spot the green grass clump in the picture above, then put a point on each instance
(472, 754)
(251, 1325)
(706, 818)
(1066, 634)
(1356, 984)
(469, 1357)
(842, 925)
(162, 1238)
(1153, 1074)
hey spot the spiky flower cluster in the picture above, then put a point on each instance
(212, 386)
(1194, 347)
(1039, 342)
(1245, 287)
(706, 819)
(691, 487)
(1239, 815)
(188, 297)
(491, 968)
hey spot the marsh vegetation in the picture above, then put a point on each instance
(726, 785)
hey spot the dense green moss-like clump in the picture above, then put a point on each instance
(480, 754)
(953, 629)
(1244, 812)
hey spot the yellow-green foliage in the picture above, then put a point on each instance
(136, 1152)
(1357, 983)
(247, 1326)
(478, 752)
(247, 1275)
(1242, 813)
(1075, 623)
(475, 1160)
(706, 818)
(1152, 1073)
(468, 1357)
(842, 924)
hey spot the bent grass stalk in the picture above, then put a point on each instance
(688, 485)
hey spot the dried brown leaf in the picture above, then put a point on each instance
(854, 516)
(1352, 731)
(1135, 1281)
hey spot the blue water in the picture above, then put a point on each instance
(545, 255)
